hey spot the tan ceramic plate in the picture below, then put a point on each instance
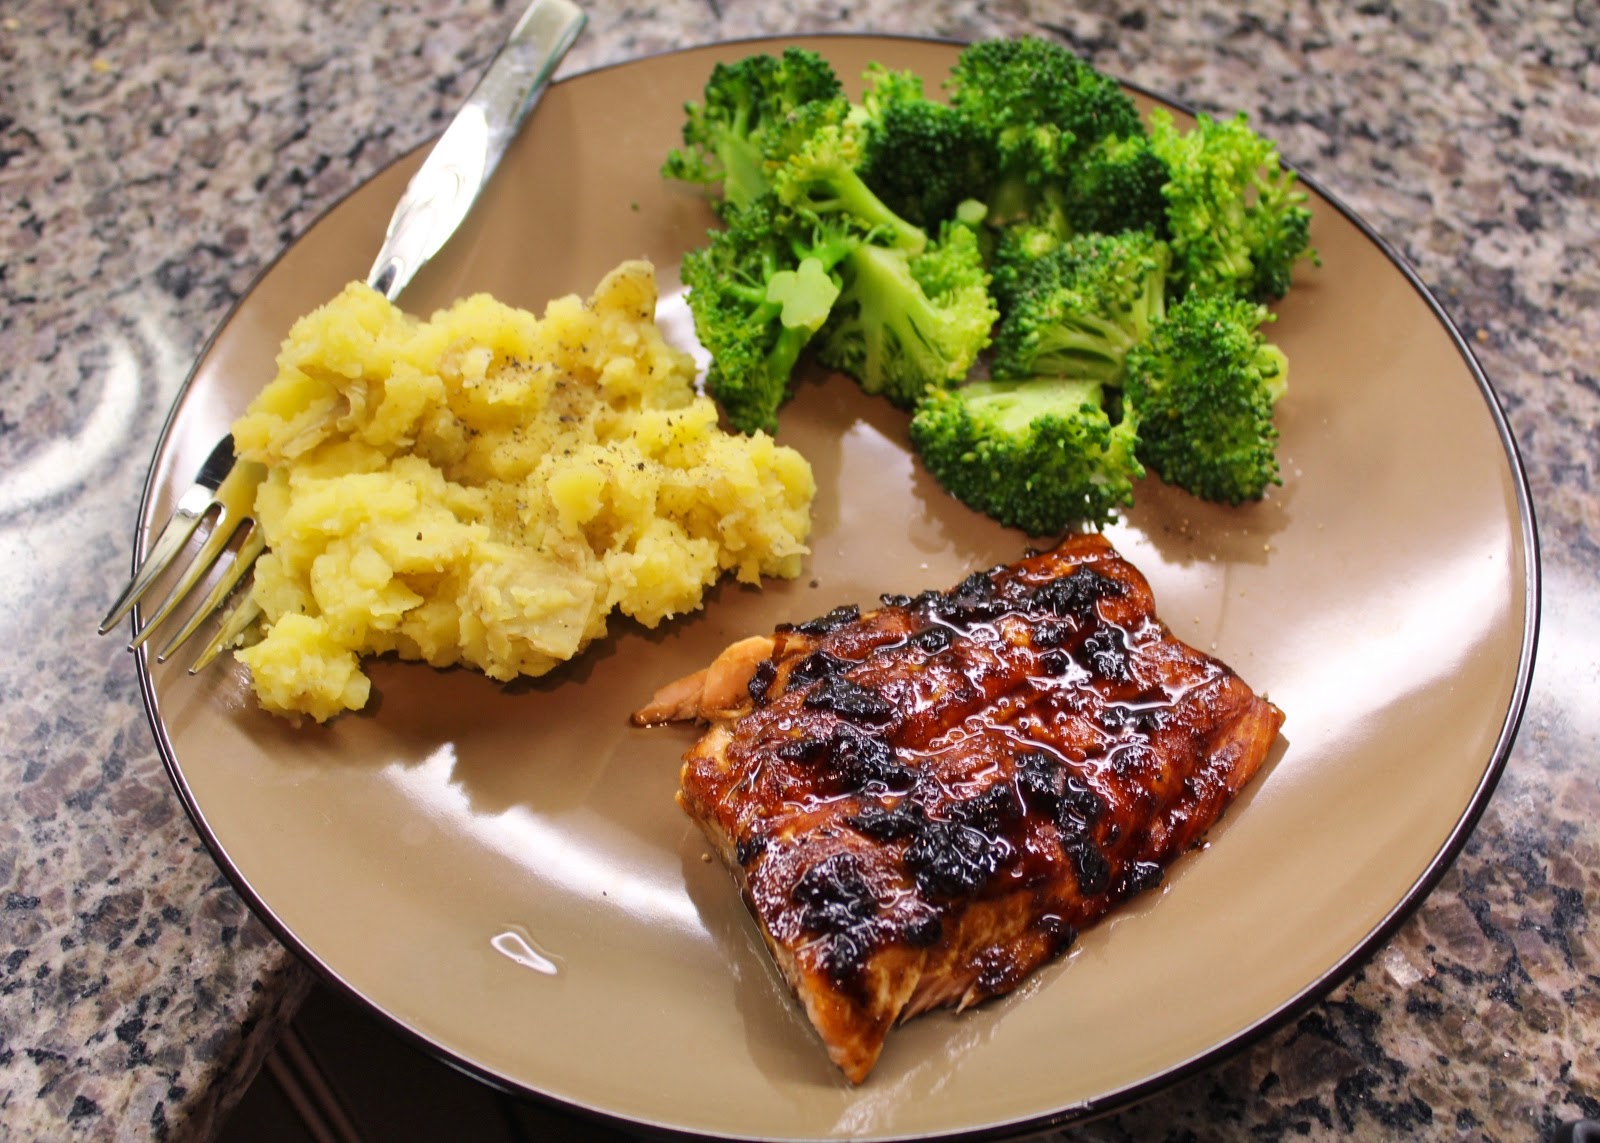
(501, 871)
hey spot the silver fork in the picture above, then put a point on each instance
(223, 491)
(434, 204)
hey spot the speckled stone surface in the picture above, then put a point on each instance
(155, 156)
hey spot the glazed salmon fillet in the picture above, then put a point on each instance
(924, 803)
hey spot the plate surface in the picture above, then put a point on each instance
(501, 871)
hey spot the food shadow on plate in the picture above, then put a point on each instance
(526, 742)
(1185, 529)
(875, 498)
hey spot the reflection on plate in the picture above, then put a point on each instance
(501, 871)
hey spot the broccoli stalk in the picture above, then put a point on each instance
(821, 178)
(1038, 455)
(909, 314)
(905, 323)
(805, 294)
(1203, 388)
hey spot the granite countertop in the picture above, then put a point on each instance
(154, 157)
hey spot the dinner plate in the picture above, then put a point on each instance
(502, 873)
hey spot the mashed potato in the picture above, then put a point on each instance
(486, 487)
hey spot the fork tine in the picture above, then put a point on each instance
(174, 534)
(215, 544)
(244, 559)
(233, 625)
(234, 497)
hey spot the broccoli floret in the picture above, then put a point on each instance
(759, 291)
(1238, 221)
(1078, 308)
(1118, 184)
(822, 178)
(921, 157)
(1203, 387)
(1017, 252)
(1039, 455)
(906, 322)
(1044, 108)
(795, 131)
(744, 104)
(1118, 271)
(1115, 187)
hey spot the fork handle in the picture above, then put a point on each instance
(443, 190)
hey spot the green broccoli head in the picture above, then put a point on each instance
(1040, 455)
(907, 322)
(1118, 184)
(1020, 84)
(787, 137)
(745, 104)
(1077, 308)
(1018, 250)
(1237, 220)
(921, 157)
(1043, 108)
(823, 178)
(1203, 387)
(759, 291)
